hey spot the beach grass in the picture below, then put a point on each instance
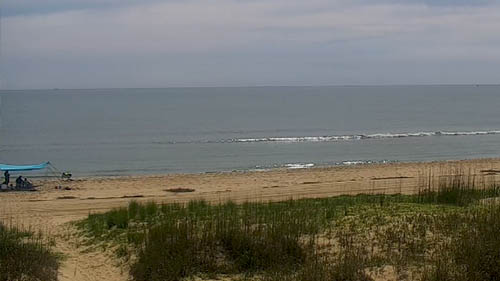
(457, 187)
(472, 250)
(25, 255)
(441, 233)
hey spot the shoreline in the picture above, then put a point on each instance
(62, 201)
(279, 169)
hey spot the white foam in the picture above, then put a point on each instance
(300, 139)
(363, 162)
(348, 163)
(299, 166)
(368, 136)
(473, 133)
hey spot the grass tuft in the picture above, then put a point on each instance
(458, 189)
(25, 256)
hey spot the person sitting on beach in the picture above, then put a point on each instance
(27, 184)
(19, 182)
(7, 178)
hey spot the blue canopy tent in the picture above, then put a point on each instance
(4, 167)
(23, 184)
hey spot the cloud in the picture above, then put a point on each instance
(27, 7)
(20, 7)
(228, 42)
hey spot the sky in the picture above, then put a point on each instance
(197, 43)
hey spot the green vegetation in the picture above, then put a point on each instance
(441, 233)
(25, 256)
(459, 189)
(473, 250)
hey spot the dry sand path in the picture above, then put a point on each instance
(50, 209)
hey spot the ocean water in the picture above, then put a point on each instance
(191, 130)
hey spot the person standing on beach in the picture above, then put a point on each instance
(7, 178)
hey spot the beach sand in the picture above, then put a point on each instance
(51, 208)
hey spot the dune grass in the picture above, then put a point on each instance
(460, 189)
(472, 251)
(440, 233)
(25, 256)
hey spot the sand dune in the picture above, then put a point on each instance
(51, 208)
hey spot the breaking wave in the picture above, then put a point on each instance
(362, 137)
(342, 163)
(299, 165)
(307, 165)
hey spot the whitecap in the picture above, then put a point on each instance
(334, 138)
(299, 166)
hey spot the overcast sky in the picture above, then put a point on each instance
(170, 43)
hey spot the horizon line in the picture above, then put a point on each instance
(255, 86)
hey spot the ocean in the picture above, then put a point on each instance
(107, 132)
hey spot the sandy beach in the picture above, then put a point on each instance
(58, 202)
